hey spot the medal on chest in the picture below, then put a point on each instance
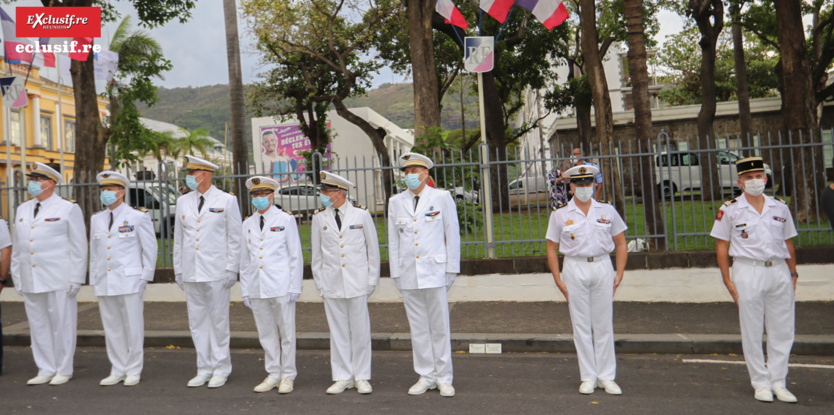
(744, 234)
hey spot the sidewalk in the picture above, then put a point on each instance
(518, 326)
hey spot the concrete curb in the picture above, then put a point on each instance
(815, 345)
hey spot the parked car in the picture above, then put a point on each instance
(529, 190)
(161, 203)
(300, 199)
(681, 171)
(462, 195)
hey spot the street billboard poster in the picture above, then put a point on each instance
(279, 152)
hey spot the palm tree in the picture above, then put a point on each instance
(196, 140)
(134, 46)
(240, 152)
(163, 141)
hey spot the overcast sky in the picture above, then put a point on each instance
(197, 49)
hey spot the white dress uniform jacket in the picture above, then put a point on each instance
(754, 236)
(207, 243)
(345, 262)
(271, 264)
(420, 263)
(50, 251)
(123, 255)
(581, 236)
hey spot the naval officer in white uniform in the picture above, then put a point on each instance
(123, 252)
(345, 262)
(756, 230)
(424, 252)
(49, 264)
(207, 248)
(271, 270)
(585, 231)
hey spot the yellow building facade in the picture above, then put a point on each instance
(36, 132)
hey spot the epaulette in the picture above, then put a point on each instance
(560, 205)
(231, 193)
(246, 217)
(288, 212)
(69, 200)
(781, 200)
(319, 210)
(358, 205)
(730, 202)
(141, 209)
(602, 201)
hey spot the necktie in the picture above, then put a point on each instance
(416, 200)
(262, 222)
(110, 226)
(200, 207)
(338, 220)
(37, 208)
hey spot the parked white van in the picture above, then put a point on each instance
(681, 171)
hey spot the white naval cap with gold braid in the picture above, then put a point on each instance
(196, 163)
(107, 177)
(329, 179)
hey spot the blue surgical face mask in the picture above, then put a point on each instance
(191, 182)
(108, 197)
(34, 188)
(413, 180)
(260, 203)
(325, 200)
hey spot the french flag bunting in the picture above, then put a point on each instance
(79, 54)
(43, 58)
(550, 12)
(11, 41)
(498, 9)
(453, 16)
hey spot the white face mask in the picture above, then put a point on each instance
(754, 187)
(584, 193)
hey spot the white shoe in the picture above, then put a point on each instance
(420, 388)
(217, 381)
(586, 388)
(764, 395)
(197, 381)
(610, 387)
(267, 385)
(340, 387)
(784, 395)
(60, 380)
(364, 387)
(111, 380)
(447, 390)
(39, 380)
(132, 380)
(285, 386)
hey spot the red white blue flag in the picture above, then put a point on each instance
(453, 16)
(550, 13)
(498, 9)
(12, 43)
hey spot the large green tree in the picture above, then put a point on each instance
(334, 39)
(92, 138)
(140, 61)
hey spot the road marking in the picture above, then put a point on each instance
(735, 362)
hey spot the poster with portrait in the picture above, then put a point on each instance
(279, 152)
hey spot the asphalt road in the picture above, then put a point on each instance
(486, 384)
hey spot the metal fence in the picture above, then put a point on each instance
(522, 190)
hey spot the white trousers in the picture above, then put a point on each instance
(428, 317)
(124, 332)
(208, 319)
(275, 320)
(53, 319)
(591, 304)
(766, 301)
(350, 337)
